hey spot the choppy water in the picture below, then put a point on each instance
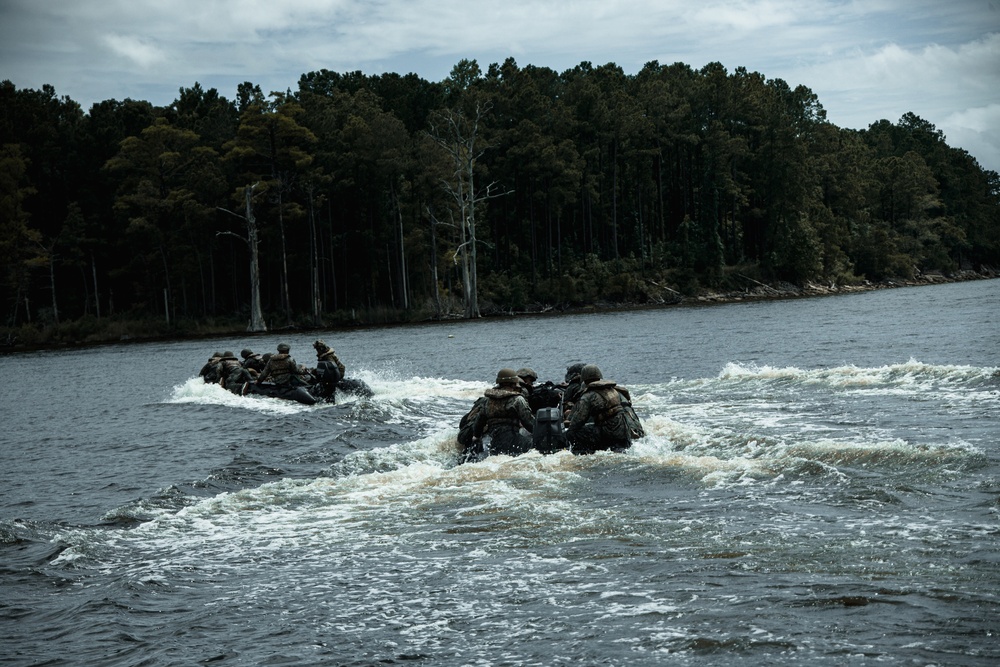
(820, 485)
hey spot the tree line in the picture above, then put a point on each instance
(387, 197)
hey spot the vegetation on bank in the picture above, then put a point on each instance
(647, 293)
(382, 199)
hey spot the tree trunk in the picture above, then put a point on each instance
(458, 138)
(472, 310)
(434, 268)
(97, 295)
(256, 316)
(404, 288)
(285, 295)
(52, 283)
(317, 306)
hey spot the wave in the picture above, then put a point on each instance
(416, 494)
(198, 392)
(720, 456)
(388, 387)
(701, 427)
(912, 374)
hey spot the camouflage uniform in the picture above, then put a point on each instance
(325, 353)
(472, 447)
(545, 395)
(252, 362)
(281, 369)
(574, 388)
(233, 374)
(210, 371)
(606, 404)
(506, 411)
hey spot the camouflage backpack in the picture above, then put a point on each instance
(635, 428)
(467, 425)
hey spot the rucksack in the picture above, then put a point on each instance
(635, 428)
(467, 425)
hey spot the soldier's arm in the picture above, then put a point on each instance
(579, 416)
(524, 414)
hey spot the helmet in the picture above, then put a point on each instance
(228, 355)
(573, 369)
(283, 348)
(246, 353)
(507, 376)
(527, 374)
(590, 373)
(320, 345)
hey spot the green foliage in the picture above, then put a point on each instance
(592, 186)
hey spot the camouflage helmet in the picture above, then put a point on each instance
(527, 375)
(573, 369)
(283, 348)
(246, 353)
(507, 376)
(320, 346)
(590, 373)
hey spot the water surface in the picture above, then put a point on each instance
(820, 485)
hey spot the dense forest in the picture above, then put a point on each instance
(391, 198)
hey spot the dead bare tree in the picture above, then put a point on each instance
(458, 135)
(251, 239)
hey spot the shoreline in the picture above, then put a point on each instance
(788, 291)
(763, 292)
(755, 292)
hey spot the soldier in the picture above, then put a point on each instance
(210, 371)
(472, 447)
(609, 408)
(325, 353)
(573, 387)
(232, 373)
(505, 412)
(282, 369)
(252, 362)
(328, 374)
(545, 395)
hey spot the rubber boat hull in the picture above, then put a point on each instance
(289, 393)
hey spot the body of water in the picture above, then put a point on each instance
(820, 485)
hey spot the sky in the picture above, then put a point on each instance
(866, 60)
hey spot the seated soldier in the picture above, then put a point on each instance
(233, 374)
(601, 418)
(506, 411)
(252, 362)
(325, 353)
(210, 371)
(282, 369)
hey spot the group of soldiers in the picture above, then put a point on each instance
(590, 414)
(585, 413)
(279, 369)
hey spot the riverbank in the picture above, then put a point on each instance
(789, 291)
(93, 331)
(759, 291)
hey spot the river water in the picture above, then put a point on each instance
(820, 485)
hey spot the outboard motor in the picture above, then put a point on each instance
(548, 436)
(327, 377)
(328, 372)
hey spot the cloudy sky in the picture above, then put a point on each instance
(865, 59)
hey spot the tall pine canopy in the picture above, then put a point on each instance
(392, 198)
